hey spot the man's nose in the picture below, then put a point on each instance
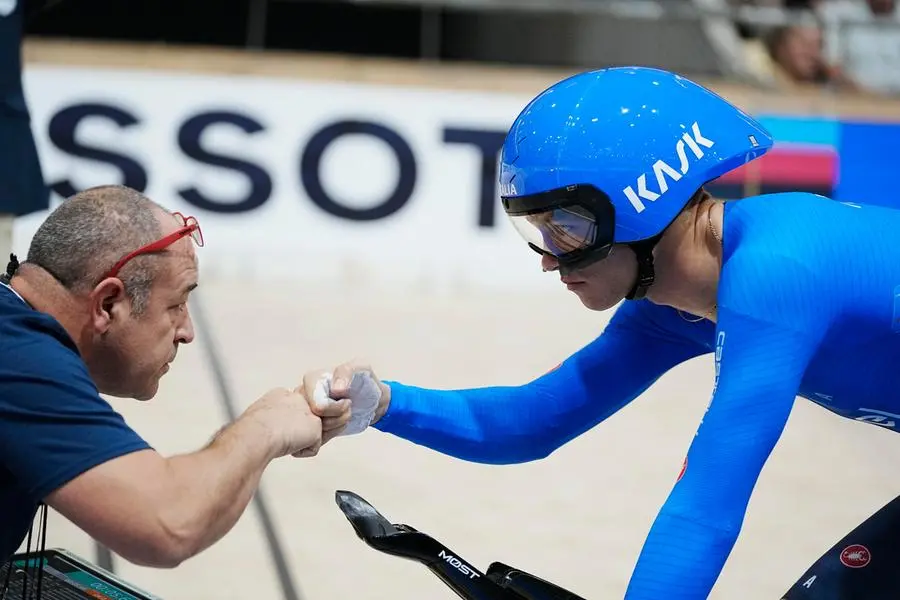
(185, 333)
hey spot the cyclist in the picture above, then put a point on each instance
(794, 294)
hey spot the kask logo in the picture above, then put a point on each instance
(695, 142)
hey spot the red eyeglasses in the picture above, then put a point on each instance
(189, 226)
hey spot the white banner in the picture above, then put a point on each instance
(336, 182)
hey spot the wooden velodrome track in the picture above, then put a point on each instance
(578, 517)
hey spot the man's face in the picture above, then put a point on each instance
(135, 350)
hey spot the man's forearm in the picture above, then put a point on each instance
(210, 489)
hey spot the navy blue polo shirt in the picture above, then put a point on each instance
(54, 425)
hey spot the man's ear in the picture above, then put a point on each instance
(108, 302)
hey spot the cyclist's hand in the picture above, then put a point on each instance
(356, 379)
(350, 388)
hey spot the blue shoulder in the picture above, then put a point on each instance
(775, 254)
(662, 323)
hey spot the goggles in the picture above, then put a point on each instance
(573, 224)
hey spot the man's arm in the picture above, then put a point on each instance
(500, 425)
(156, 511)
(65, 445)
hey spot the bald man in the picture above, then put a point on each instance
(100, 305)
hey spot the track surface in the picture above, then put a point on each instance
(577, 518)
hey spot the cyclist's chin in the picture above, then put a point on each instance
(595, 299)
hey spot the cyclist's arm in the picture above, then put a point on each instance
(500, 425)
(762, 361)
(65, 445)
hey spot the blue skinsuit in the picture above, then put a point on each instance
(808, 305)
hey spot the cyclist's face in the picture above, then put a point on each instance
(603, 284)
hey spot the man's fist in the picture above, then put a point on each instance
(295, 430)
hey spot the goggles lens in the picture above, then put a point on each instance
(559, 231)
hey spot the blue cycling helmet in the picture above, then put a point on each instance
(612, 156)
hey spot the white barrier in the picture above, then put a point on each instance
(404, 178)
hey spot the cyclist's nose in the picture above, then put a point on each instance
(549, 263)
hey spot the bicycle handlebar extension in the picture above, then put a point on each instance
(500, 582)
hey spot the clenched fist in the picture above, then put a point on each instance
(351, 394)
(295, 430)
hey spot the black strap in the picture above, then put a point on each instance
(11, 269)
(646, 274)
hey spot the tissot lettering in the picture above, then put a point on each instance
(189, 135)
(310, 173)
(488, 144)
(72, 128)
(62, 131)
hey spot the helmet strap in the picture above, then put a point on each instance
(646, 274)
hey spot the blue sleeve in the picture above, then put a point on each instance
(54, 425)
(769, 327)
(506, 424)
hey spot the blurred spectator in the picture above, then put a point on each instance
(863, 38)
(797, 56)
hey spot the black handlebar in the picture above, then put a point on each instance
(500, 582)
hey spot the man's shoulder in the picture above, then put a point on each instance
(24, 330)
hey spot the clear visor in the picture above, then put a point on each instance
(559, 231)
